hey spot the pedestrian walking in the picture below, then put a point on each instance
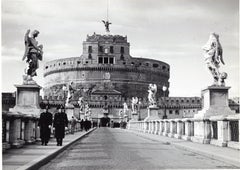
(60, 124)
(82, 125)
(45, 123)
(73, 124)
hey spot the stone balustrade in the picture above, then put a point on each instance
(219, 131)
(19, 129)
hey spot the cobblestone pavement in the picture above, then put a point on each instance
(107, 148)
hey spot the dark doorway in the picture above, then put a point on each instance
(105, 121)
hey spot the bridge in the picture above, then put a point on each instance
(153, 144)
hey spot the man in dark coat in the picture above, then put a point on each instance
(45, 123)
(60, 123)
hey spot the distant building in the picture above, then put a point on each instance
(234, 104)
(8, 101)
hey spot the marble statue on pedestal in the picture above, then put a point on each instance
(81, 103)
(213, 55)
(152, 90)
(70, 92)
(33, 53)
(125, 108)
(134, 104)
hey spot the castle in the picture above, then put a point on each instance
(106, 65)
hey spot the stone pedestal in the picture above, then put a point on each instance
(69, 111)
(215, 102)
(152, 113)
(27, 100)
(134, 116)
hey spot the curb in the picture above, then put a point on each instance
(42, 160)
(228, 160)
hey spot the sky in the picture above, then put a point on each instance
(172, 31)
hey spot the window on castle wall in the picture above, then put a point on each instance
(89, 56)
(121, 57)
(170, 111)
(100, 49)
(155, 65)
(147, 64)
(46, 67)
(100, 60)
(105, 60)
(64, 63)
(79, 62)
(111, 49)
(111, 60)
(89, 49)
(163, 67)
(176, 112)
(192, 101)
(122, 50)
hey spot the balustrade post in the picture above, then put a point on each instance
(165, 128)
(178, 135)
(222, 132)
(37, 132)
(149, 126)
(160, 127)
(15, 131)
(5, 132)
(187, 130)
(28, 130)
(156, 127)
(153, 127)
(171, 129)
(146, 126)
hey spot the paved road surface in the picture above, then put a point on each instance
(107, 148)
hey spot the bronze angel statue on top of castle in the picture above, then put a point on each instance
(33, 53)
(106, 24)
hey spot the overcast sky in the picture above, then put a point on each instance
(172, 31)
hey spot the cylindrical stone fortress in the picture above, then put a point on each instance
(106, 64)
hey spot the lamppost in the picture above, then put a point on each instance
(138, 109)
(64, 88)
(164, 88)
